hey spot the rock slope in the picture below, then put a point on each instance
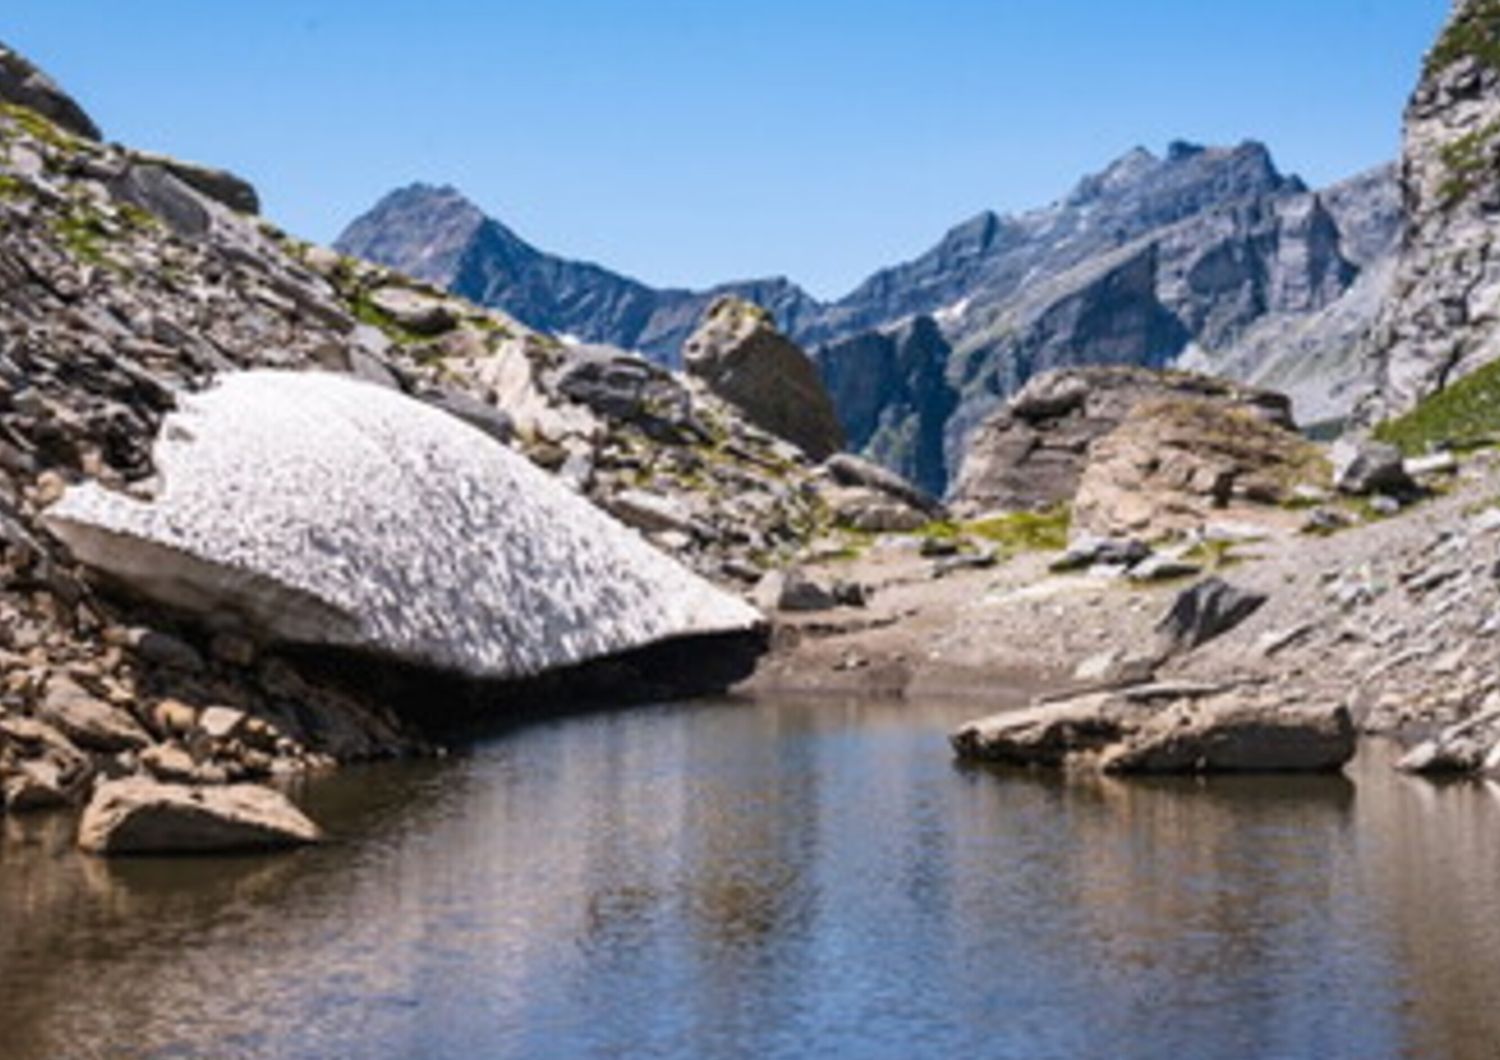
(437, 235)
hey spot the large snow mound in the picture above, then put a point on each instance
(321, 510)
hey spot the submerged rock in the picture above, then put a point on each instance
(140, 816)
(322, 511)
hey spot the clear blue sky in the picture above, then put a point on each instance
(692, 141)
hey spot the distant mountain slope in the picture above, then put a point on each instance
(438, 235)
(1205, 253)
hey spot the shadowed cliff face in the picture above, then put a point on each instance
(1210, 253)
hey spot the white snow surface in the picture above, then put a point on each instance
(319, 509)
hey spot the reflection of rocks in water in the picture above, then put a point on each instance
(1432, 866)
(1213, 899)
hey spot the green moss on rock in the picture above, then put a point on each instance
(1474, 33)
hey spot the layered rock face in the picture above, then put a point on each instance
(1439, 323)
(1205, 254)
(890, 390)
(1032, 453)
(740, 356)
(1173, 465)
(322, 511)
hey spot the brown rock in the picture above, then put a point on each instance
(1174, 464)
(1030, 455)
(87, 721)
(740, 355)
(140, 816)
(1179, 730)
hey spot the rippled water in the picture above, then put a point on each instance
(778, 880)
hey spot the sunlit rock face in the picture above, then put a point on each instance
(319, 510)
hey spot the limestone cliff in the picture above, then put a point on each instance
(1439, 323)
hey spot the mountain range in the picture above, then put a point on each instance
(1210, 257)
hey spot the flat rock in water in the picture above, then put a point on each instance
(322, 511)
(1231, 732)
(140, 816)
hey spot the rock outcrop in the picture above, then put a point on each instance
(315, 510)
(1173, 465)
(1032, 453)
(1167, 729)
(741, 357)
(138, 816)
(129, 283)
(23, 85)
(1440, 322)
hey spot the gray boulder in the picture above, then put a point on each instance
(791, 590)
(23, 84)
(623, 387)
(318, 510)
(141, 816)
(853, 471)
(1205, 611)
(1472, 746)
(419, 313)
(741, 357)
(155, 189)
(220, 185)
(1365, 467)
(488, 418)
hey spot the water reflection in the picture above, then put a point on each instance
(777, 880)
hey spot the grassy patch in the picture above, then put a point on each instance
(84, 235)
(1025, 531)
(38, 127)
(1215, 555)
(1466, 160)
(1475, 33)
(1466, 415)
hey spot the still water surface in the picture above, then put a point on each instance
(778, 880)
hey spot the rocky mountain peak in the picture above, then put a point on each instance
(422, 230)
(1188, 179)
